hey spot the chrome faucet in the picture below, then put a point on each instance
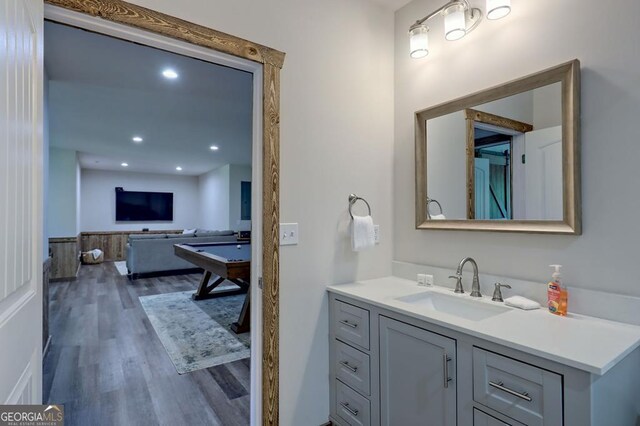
(475, 287)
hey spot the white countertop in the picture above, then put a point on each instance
(586, 343)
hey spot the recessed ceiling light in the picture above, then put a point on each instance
(136, 139)
(124, 165)
(213, 148)
(170, 74)
(179, 168)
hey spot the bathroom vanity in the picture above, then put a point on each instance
(407, 355)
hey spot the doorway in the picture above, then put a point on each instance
(157, 30)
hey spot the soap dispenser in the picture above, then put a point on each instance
(557, 294)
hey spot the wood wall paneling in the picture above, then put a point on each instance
(114, 243)
(65, 258)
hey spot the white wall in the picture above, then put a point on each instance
(213, 190)
(62, 198)
(336, 138)
(220, 196)
(537, 35)
(98, 202)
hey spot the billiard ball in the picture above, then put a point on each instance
(238, 246)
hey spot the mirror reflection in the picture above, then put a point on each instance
(500, 160)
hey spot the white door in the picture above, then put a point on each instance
(482, 192)
(543, 174)
(21, 24)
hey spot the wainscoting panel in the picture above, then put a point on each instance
(64, 258)
(113, 243)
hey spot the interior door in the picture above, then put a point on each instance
(482, 193)
(21, 241)
(543, 174)
(417, 376)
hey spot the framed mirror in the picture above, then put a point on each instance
(503, 159)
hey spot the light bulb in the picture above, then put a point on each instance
(419, 41)
(454, 22)
(497, 9)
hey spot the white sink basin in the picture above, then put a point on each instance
(473, 310)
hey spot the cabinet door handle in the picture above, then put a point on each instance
(349, 367)
(445, 364)
(500, 386)
(352, 411)
(348, 324)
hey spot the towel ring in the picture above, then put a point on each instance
(429, 201)
(352, 200)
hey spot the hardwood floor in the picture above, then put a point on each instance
(108, 367)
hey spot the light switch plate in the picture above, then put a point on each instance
(288, 234)
(376, 233)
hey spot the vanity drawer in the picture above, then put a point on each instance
(351, 407)
(480, 418)
(351, 324)
(352, 367)
(521, 391)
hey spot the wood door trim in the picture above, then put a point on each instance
(159, 23)
(474, 116)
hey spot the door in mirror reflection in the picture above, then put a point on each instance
(500, 160)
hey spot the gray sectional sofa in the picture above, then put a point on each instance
(152, 254)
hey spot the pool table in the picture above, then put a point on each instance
(228, 261)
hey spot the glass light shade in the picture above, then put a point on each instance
(454, 22)
(419, 41)
(497, 9)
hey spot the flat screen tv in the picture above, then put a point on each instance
(133, 206)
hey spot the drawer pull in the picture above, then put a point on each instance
(500, 386)
(445, 362)
(352, 411)
(348, 324)
(346, 365)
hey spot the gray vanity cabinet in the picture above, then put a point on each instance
(417, 376)
(391, 369)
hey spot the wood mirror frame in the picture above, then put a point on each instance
(568, 74)
(149, 20)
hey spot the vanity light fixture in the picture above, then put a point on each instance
(497, 9)
(459, 20)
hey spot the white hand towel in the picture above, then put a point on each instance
(438, 217)
(522, 303)
(362, 233)
(96, 253)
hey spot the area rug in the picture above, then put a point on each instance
(121, 266)
(197, 334)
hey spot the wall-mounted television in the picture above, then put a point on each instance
(135, 206)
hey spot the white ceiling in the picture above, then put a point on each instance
(103, 91)
(393, 4)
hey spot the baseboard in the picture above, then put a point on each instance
(135, 276)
